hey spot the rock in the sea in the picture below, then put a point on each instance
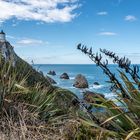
(80, 81)
(52, 72)
(96, 83)
(64, 76)
(50, 80)
(92, 97)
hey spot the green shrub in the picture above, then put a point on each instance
(124, 112)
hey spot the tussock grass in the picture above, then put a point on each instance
(123, 115)
(31, 111)
(37, 110)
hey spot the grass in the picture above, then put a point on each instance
(31, 111)
(123, 113)
(31, 108)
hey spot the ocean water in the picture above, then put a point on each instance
(91, 72)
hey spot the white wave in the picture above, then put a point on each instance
(81, 92)
(72, 87)
(90, 77)
(72, 78)
(96, 86)
(57, 83)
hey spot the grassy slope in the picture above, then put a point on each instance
(29, 100)
(33, 76)
(38, 110)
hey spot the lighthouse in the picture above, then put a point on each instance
(2, 36)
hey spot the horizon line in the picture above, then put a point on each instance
(77, 64)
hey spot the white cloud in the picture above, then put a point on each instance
(38, 10)
(9, 36)
(130, 18)
(31, 42)
(102, 13)
(107, 33)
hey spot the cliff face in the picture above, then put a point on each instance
(8, 54)
(7, 51)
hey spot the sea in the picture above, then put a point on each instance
(91, 72)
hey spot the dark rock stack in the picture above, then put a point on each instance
(51, 72)
(96, 83)
(80, 81)
(64, 76)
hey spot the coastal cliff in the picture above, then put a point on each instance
(25, 90)
(8, 54)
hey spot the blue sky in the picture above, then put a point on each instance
(47, 31)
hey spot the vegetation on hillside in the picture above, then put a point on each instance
(32, 108)
(30, 111)
(33, 75)
(123, 113)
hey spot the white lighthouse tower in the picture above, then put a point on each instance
(2, 36)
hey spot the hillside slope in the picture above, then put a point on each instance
(33, 76)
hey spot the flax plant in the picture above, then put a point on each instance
(123, 113)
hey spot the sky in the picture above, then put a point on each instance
(48, 31)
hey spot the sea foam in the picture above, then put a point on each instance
(96, 86)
